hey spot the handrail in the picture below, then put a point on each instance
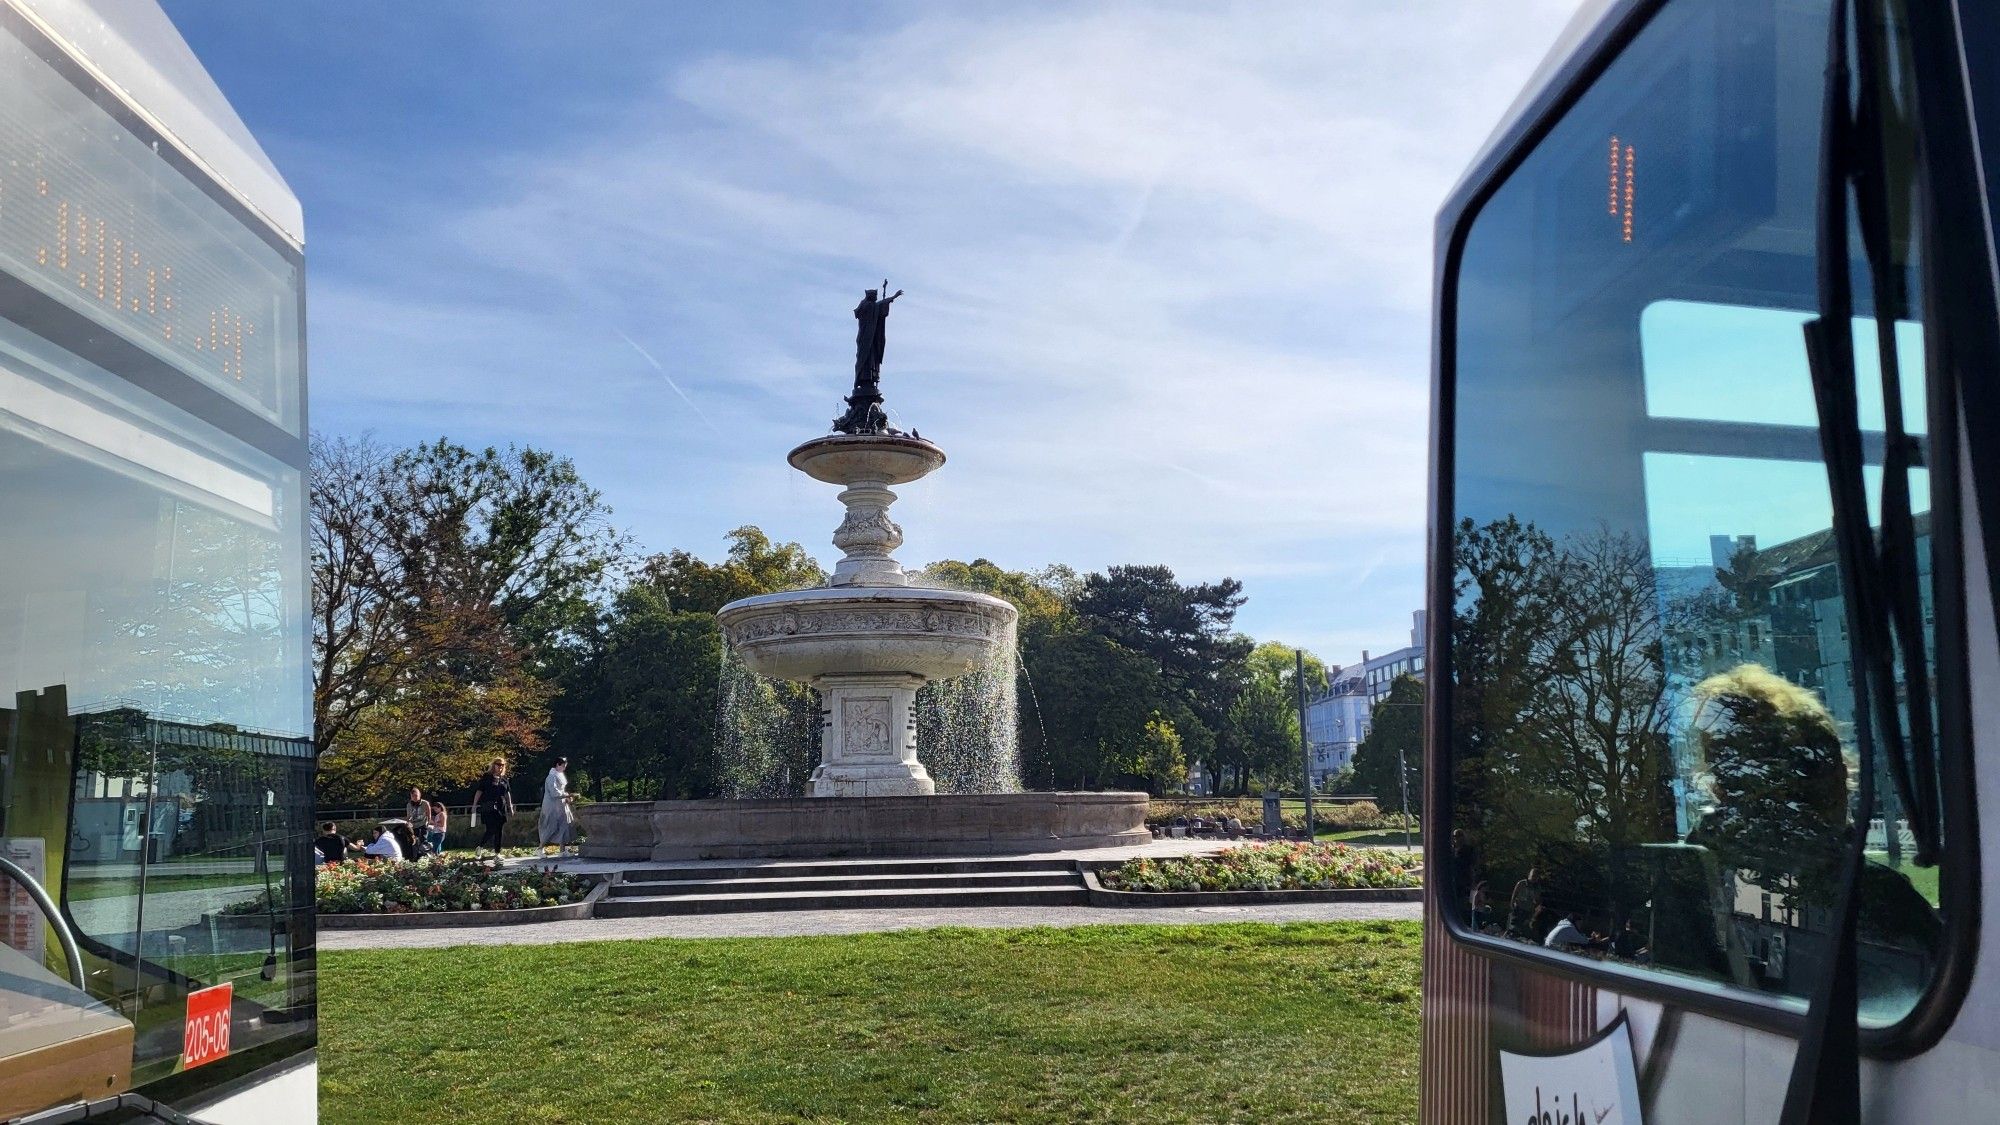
(56, 923)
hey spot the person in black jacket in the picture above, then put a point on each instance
(331, 845)
(495, 801)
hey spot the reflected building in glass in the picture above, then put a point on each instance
(156, 767)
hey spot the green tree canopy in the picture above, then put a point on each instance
(445, 583)
(641, 707)
(1395, 744)
(754, 565)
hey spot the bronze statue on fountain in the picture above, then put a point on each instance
(871, 335)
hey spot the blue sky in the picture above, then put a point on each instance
(1167, 266)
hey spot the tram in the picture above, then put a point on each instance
(1714, 704)
(156, 769)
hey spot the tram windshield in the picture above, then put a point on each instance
(1651, 711)
(155, 769)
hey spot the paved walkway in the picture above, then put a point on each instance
(796, 923)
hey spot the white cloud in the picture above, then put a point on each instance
(1168, 276)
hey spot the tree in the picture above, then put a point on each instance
(1777, 776)
(1394, 747)
(642, 702)
(1183, 630)
(446, 586)
(1262, 733)
(1561, 710)
(1159, 757)
(660, 695)
(469, 699)
(754, 565)
(1038, 596)
(1095, 698)
(361, 604)
(519, 532)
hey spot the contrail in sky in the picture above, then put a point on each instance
(670, 381)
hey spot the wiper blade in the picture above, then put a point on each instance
(1912, 764)
(1825, 1085)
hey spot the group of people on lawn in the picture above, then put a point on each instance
(421, 830)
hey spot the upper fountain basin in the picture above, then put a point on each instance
(858, 630)
(883, 458)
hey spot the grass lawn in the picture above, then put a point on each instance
(1308, 1022)
(1924, 880)
(246, 881)
(1373, 837)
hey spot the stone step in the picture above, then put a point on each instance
(659, 888)
(1054, 894)
(805, 869)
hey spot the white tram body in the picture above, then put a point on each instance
(156, 764)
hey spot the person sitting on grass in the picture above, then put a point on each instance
(330, 844)
(382, 844)
(1566, 934)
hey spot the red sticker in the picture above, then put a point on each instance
(206, 1037)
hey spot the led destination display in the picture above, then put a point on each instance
(94, 217)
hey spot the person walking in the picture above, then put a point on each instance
(495, 801)
(437, 822)
(557, 826)
(418, 810)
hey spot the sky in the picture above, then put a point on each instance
(1166, 267)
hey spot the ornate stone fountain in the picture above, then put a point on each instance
(867, 641)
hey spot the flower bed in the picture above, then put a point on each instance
(440, 883)
(1271, 867)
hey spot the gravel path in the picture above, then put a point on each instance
(797, 923)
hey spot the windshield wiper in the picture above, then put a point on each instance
(1879, 574)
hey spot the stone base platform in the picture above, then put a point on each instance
(827, 827)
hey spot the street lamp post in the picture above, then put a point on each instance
(1403, 776)
(1305, 739)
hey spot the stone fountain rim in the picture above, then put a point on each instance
(902, 444)
(863, 594)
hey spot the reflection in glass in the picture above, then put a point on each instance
(152, 643)
(1650, 690)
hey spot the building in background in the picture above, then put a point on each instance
(1338, 720)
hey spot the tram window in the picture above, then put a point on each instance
(1650, 706)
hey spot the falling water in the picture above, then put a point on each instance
(967, 728)
(767, 731)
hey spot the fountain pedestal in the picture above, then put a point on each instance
(868, 738)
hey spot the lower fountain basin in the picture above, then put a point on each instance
(864, 630)
(807, 827)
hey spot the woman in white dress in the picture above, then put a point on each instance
(558, 823)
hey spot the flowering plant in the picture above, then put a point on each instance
(439, 882)
(1295, 866)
